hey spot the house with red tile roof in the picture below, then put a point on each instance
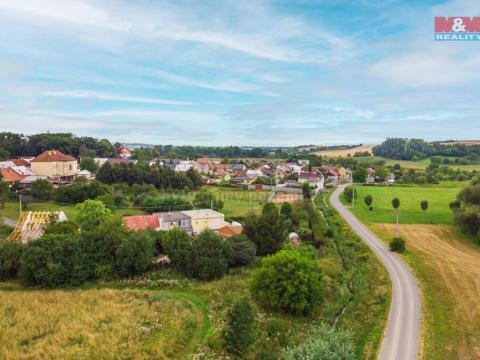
(142, 222)
(9, 175)
(56, 165)
(230, 230)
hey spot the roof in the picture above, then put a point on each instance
(310, 176)
(202, 213)
(204, 160)
(53, 156)
(230, 230)
(31, 178)
(31, 224)
(20, 162)
(23, 170)
(10, 175)
(141, 222)
(172, 216)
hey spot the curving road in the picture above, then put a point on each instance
(401, 336)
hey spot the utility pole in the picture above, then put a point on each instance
(20, 204)
(396, 227)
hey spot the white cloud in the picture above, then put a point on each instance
(95, 95)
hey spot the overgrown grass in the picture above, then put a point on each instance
(410, 196)
(365, 285)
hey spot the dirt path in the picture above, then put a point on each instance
(450, 270)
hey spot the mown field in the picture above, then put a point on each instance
(438, 198)
(344, 152)
(447, 266)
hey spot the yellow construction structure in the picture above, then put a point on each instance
(31, 224)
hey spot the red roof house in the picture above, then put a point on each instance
(141, 222)
(10, 175)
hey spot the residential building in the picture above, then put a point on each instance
(169, 220)
(11, 176)
(142, 222)
(56, 165)
(315, 180)
(205, 219)
(230, 230)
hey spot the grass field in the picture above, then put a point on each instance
(344, 152)
(97, 324)
(416, 165)
(238, 202)
(410, 196)
(448, 269)
(11, 209)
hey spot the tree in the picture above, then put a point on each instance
(88, 163)
(177, 244)
(195, 177)
(134, 254)
(424, 205)
(290, 280)
(105, 149)
(239, 333)
(42, 189)
(204, 199)
(368, 200)
(397, 245)
(50, 261)
(323, 343)
(286, 210)
(268, 231)
(381, 172)
(360, 175)
(396, 205)
(210, 256)
(91, 213)
(66, 228)
(350, 192)
(105, 173)
(244, 250)
(306, 191)
(10, 253)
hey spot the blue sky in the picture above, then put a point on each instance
(237, 72)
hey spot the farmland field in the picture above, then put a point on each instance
(100, 324)
(438, 198)
(238, 202)
(448, 269)
(344, 152)
(417, 165)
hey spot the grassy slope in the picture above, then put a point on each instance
(417, 165)
(410, 196)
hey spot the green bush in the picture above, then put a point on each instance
(10, 253)
(42, 189)
(51, 261)
(239, 332)
(243, 250)
(349, 193)
(290, 280)
(177, 244)
(210, 256)
(323, 343)
(62, 228)
(134, 254)
(91, 213)
(397, 245)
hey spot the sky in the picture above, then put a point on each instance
(251, 73)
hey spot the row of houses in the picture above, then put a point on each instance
(192, 221)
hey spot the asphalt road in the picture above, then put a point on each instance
(401, 337)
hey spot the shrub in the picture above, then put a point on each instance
(397, 245)
(91, 213)
(66, 228)
(80, 191)
(239, 332)
(10, 253)
(290, 280)
(50, 261)
(243, 250)
(42, 189)
(177, 244)
(349, 193)
(210, 256)
(206, 200)
(323, 343)
(134, 254)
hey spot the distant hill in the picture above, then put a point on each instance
(462, 142)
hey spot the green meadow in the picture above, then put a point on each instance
(438, 198)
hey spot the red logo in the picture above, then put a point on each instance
(457, 24)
